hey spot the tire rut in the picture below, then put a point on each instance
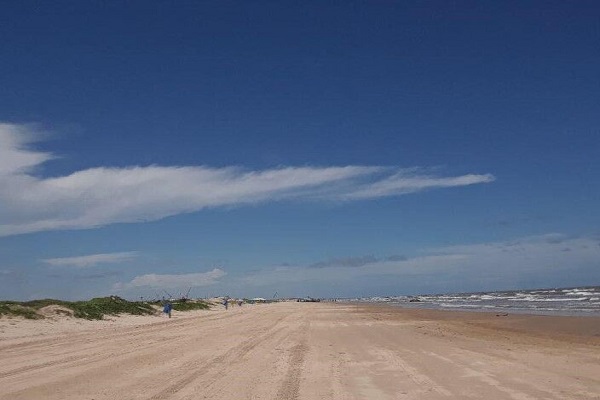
(290, 387)
(217, 364)
(79, 355)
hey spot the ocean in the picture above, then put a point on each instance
(559, 301)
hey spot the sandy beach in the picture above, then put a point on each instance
(303, 351)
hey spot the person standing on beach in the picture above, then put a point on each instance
(167, 309)
(226, 303)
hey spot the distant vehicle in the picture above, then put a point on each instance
(308, 300)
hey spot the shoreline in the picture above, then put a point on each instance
(582, 329)
(563, 301)
(523, 311)
(547, 325)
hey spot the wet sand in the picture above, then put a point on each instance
(303, 351)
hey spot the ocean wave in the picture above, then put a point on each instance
(568, 300)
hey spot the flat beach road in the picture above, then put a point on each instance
(310, 351)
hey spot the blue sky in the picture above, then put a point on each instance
(309, 148)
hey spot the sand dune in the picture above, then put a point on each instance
(303, 351)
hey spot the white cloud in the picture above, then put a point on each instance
(551, 259)
(414, 180)
(173, 281)
(423, 265)
(14, 156)
(91, 260)
(101, 196)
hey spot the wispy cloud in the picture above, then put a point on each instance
(545, 260)
(173, 281)
(91, 259)
(359, 261)
(99, 275)
(347, 272)
(15, 157)
(413, 180)
(101, 196)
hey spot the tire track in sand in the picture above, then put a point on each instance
(290, 387)
(219, 363)
(82, 356)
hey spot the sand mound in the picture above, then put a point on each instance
(55, 311)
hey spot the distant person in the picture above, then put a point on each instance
(226, 303)
(240, 302)
(168, 308)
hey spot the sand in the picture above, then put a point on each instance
(303, 351)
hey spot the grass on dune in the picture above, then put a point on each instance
(98, 307)
(95, 308)
(189, 305)
(16, 309)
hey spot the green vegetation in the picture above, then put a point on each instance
(189, 305)
(91, 309)
(95, 308)
(98, 307)
(16, 309)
